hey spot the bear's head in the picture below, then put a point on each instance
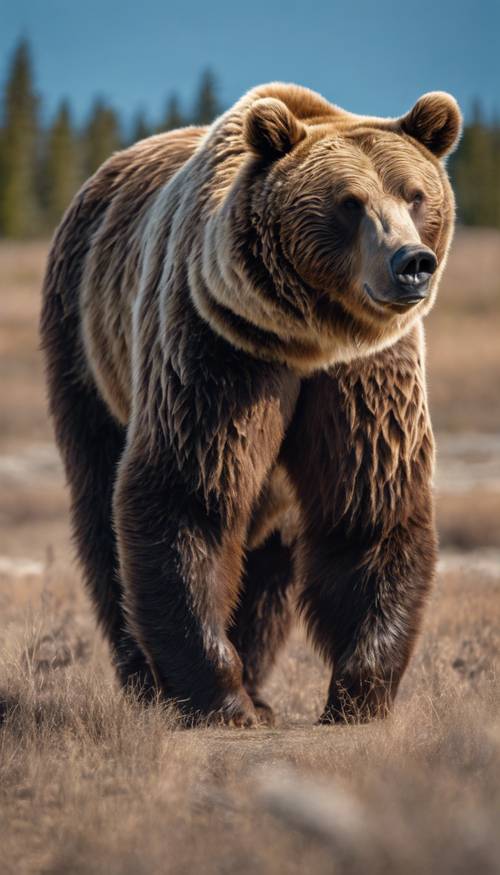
(330, 241)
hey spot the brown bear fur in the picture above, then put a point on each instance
(240, 408)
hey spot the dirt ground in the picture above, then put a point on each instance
(91, 783)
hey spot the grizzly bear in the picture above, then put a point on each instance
(232, 326)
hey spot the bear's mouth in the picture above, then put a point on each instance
(397, 302)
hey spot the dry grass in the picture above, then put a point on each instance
(90, 783)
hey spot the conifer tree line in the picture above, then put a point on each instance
(42, 165)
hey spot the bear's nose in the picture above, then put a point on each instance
(412, 268)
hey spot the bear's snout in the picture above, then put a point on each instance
(412, 268)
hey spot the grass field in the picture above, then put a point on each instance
(90, 783)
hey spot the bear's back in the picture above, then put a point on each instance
(128, 184)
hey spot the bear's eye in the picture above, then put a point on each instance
(351, 205)
(417, 198)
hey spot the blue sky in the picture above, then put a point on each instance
(370, 56)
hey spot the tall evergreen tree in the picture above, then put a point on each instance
(475, 172)
(207, 104)
(140, 127)
(101, 136)
(173, 115)
(495, 137)
(19, 213)
(36, 184)
(61, 167)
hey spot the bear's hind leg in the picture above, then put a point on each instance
(91, 455)
(263, 616)
(90, 443)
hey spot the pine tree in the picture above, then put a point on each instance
(206, 104)
(140, 127)
(495, 145)
(475, 172)
(61, 167)
(101, 136)
(173, 118)
(19, 212)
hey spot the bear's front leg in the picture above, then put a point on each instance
(363, 602)
(378, 594)
(182, 506)
(181, 574)
(360, 452)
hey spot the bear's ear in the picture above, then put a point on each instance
(270, 129)
(435, 121)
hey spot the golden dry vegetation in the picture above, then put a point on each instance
(91, 783)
